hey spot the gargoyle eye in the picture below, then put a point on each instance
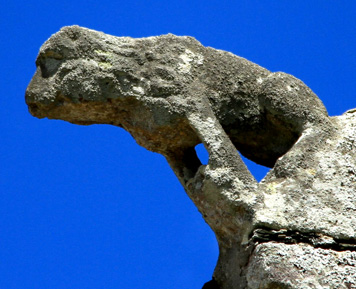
(49, 61)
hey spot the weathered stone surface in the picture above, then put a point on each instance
(312, 187)
(276, 265)
(171, 93)
(147, 86)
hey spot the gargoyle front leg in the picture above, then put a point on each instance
(224, 189)
(184, 163)
(222, 152)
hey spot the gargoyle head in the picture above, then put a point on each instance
(86, 77)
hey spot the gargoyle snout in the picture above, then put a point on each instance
(40, 93)
(30, 101)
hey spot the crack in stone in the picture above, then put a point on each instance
(317, 240)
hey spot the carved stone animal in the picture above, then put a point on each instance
(150, 86)
(172, 93)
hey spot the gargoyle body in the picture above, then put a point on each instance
(171, 93)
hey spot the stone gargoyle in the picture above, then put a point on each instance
(294, 229)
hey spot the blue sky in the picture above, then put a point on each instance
(86, 207)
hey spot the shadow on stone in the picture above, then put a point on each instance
(212, 284)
